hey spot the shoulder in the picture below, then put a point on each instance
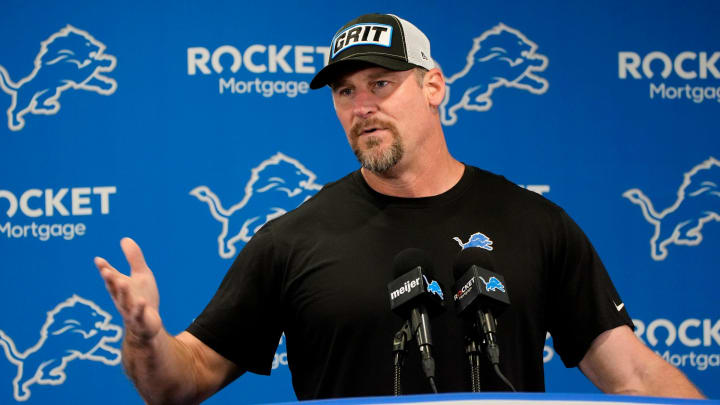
(331, 201)
(515, 208)
(509, 195)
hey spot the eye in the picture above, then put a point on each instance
(381, 83)
(343, 91)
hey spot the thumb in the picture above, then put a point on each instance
(133, 254)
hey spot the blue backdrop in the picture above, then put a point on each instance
(157, 120)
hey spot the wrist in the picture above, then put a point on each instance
(140, 340)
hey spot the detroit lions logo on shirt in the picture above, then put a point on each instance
(477, 239)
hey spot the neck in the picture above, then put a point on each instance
(430, 177)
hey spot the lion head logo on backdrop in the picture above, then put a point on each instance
(500, 57)
(697, 203)
(75, 329)
(70, 59)
(276, 186)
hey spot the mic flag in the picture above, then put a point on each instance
(414, 284)
(476, 285)
(480, 296)
(415, 295)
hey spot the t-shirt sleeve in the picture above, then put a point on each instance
(583, 300)
(242, 321)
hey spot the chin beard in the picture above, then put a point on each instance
(379, 160)
(373, 157)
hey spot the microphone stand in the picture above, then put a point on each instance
(488, 327)
(401, 337)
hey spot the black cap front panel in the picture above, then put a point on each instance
(371, 34)
(373, 38)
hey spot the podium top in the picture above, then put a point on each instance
(509, 399)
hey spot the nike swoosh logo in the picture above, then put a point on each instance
(619, 307)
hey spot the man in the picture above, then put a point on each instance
(319, 273)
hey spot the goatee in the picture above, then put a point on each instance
(372, 157)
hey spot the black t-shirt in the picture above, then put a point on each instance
(319, 274)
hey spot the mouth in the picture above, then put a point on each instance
(370, 127)
(370, 130)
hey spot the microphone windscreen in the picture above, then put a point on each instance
(472, 256)
(409, 259)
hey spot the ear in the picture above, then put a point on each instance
(434, 85)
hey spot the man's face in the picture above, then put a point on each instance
(378, 110)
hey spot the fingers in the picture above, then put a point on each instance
(133, 254)
(130, 306)
(114, 282)
(134, 296)
(135, 312)
(107, 272)
(100, 263)
(117, 284)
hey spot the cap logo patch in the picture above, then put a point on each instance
(362, 34)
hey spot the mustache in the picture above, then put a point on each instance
(360, 126)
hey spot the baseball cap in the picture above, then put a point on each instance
(384, 40)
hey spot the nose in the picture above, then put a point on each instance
(364, 103)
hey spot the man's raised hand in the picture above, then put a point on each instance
(136, 296)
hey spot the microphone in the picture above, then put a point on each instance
(416, 295)
(481, 296)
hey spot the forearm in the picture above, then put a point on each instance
(619, 363)
(659, 378)
(162, 369)
(165, 369)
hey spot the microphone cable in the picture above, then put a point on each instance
(499, 373)
(472, 349)
(489, 325)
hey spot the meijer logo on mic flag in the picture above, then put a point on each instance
(408, 286)
(416, 284)
(69, 59)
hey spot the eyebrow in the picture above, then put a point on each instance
(382, 72)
